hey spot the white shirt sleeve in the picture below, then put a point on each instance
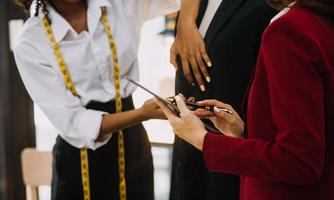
(77, 125)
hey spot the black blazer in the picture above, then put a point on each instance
(232, 43)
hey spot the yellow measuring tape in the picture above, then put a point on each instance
(118, 101)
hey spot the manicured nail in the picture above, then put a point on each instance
(202, 88)
(208, 79)
(209, 64)
(192, 99)
(217, 110)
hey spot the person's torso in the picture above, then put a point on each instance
(232, 46)
(88, 55)
(261, 125)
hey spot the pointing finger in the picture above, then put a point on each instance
(202, 113)
(212, 102)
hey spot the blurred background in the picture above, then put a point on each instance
(23, 124)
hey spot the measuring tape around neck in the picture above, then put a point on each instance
(118, 104)
(118, 101)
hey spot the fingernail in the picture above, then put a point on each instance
(177, 98)
(209, 64)
(208, 79)
(202, 88)
(193, 84)
(192, 99)
(217, 110)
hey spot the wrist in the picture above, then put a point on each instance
(143, 115)
(199, 139)
(185, 21)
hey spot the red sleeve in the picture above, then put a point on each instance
(296, 154)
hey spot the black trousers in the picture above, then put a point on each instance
(103, 165)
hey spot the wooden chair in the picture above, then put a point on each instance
(36, 170)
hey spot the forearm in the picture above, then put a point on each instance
(266, 159)
(189, 11)
(117, 121)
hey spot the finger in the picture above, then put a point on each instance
(173, 61)
(205, 56)
(213, 102)
(181, 106)
(152, 101)
(197, 73)
(186, 71)
(202, 113)
(173, 55)
(203, 67)
(182, 96)
(213, 119)
(169, 114)
(191, 99)
(225, 116)
(171, 99)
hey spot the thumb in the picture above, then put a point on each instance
(181, 105)
(169, 114)
(173, 58)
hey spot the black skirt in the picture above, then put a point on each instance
(103, 165)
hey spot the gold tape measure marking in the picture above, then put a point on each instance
(118, 101)
(85, 173)
(59, 57)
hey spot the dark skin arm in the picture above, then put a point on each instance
(190, 47)
(118, 121)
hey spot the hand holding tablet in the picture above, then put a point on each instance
(171, 103)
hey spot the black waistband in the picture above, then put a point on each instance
(109, 106)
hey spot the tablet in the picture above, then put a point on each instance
(170, 105)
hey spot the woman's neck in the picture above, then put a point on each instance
(74, 11)
(70, 8)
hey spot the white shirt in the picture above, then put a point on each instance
(210, 12)
(282, 12)
(88, 57)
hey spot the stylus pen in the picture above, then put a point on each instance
(209, 108)
(171, 100)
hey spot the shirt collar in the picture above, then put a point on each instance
(283, 12)
(61, 27)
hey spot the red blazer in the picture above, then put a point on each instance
(289, 150)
